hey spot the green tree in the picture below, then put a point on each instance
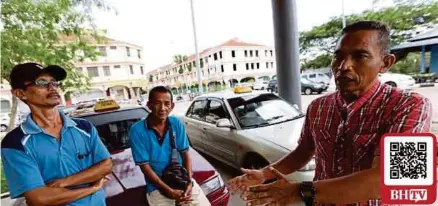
(403, 19)
(178, 59)
(38, 31)
(320, 61)
(410, 64)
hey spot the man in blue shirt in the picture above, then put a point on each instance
(51, 159)
(151, 149)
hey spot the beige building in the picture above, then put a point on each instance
(227, 64)
(118, 72)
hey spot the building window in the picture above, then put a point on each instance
(139, 53)
(113, 47)
(266, 53)
(92, 72)
(131, 69)
(106, 71)
(116, 66)
(271, 53)
(234, 67)
(220, 55)
(215, 56)
(250, 53)
(257, 53)
(128, 52)
(247, 66)
(102, 50)
(252, 65)
(272, 64)
(258, 65)
(233, 53)
(222, 68)
(246, 53)
(267, 65)
(141, 70)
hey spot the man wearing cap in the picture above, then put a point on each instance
(51, 159)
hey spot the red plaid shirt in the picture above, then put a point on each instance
(347, 136)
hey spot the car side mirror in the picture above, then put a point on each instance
(224, 123)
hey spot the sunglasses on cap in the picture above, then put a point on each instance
(44, 83)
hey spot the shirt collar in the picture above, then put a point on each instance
(30, 127)
(149, 126)
(357, 104)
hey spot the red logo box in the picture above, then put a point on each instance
(408, 190)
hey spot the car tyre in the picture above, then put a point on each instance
(3, 128)
(392, 84)
(254, 161)
(308, 91)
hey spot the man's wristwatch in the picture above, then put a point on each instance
(307, 192)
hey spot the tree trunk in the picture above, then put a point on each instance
(13, 113)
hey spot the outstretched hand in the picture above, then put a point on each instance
(280, 192)
(249, 178)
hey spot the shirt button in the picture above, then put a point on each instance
(339, 168)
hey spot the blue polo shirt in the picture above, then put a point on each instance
(32, 158)
(146, 148)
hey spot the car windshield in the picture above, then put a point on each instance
(262, 110)
(113, 127)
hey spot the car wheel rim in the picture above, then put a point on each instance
(3, 128)
(308, 91)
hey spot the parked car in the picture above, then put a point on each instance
(317, 77)
(248, 129)
(127, 184)
(272, 86)
(261, 85)
(309, 87)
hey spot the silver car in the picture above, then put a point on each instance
(248, 130)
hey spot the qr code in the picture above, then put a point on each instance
(408, 160)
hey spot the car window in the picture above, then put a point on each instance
(321, 75)
(262, 110)
(215, 111)
(197, 110)
(312, 75)
(113, 127)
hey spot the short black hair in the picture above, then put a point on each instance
(382, 28)
(160, 89)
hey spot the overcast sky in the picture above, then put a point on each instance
(164, 27)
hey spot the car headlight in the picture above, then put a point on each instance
(212, 185)
(309, 166)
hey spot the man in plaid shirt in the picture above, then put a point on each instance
(342, 130)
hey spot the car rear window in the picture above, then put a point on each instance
(113, 127)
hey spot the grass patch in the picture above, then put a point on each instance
(4, 185)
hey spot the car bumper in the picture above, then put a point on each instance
(301, 176)
(220, 197)
(407, 85)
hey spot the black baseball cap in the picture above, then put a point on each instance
(23, 73)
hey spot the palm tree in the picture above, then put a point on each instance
(178, 59)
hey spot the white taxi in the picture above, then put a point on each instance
(245, 128)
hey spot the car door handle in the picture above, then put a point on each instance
(204, 128)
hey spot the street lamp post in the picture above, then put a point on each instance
(344, 23)
(198, 65)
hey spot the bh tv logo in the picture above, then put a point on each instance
(408, 169)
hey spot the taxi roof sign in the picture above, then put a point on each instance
(105, 105)
(242, 89)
